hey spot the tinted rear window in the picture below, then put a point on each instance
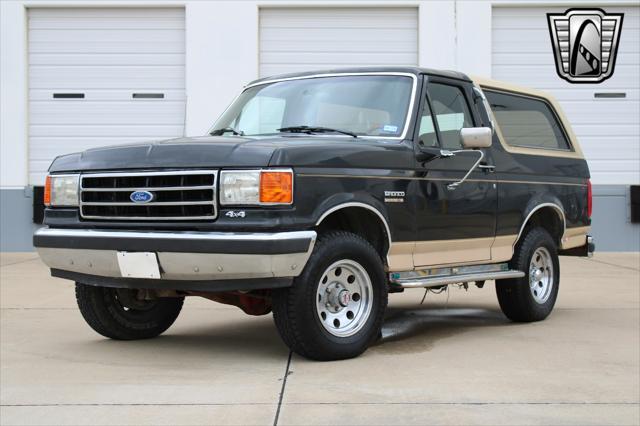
(527, 122)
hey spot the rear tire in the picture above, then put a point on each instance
(532, 297)
(334, 309)
(117, 314)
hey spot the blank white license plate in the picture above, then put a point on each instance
(138, 265)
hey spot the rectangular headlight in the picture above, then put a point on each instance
(256, 187)
(61, 191)
(239, 187)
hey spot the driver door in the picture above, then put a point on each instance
(454, 226)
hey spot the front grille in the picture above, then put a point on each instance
(176, 195)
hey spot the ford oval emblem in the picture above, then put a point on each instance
(141, 196)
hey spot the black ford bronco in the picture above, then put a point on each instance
(314, 196)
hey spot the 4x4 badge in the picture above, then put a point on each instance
(585, 43)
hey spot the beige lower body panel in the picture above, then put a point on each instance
(443, 252)
(574, 237)
(411, 255)
(502, 248)
(400, 256)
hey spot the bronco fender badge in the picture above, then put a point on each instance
(394, 196)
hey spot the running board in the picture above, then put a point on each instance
(443, 276)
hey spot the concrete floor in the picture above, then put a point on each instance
(445, 362)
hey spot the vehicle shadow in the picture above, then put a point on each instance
(256, 335)
(418, 329)
(405, 330)
(245, 340)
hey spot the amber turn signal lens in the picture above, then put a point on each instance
(47, 191)
(276, 187)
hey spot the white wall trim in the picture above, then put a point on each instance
(13, 101)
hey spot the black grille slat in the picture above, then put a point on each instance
(161, 196)
(182, 195)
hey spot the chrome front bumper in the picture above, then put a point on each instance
(189, 256)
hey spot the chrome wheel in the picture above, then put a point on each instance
(541, 275)
(344, 298)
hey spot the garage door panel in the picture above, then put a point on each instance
(339, 57)
(344, 17)
(609, 146)
(607, 129)
(77, 15)
(66, 59)
(606, 172)
(621, 112)
(64, 36)
(571, 95)
(99, 23)
(43, 76)
(597, 130)
(109, 95)
(336, 34)
(114, 113)
(302, 39)
(107, 54)
(338, 46)
(93, 47)
(275, 69)
(134, 131)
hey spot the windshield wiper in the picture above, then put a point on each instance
(312, 129)
(220, 132)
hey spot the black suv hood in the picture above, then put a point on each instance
(219, 151)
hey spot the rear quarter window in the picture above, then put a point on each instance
(527, 122)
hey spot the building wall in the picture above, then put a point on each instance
(222, 40)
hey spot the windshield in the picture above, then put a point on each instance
(365, 105)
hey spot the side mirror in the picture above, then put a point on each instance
(476, 137)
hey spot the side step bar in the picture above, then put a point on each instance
(444, 276)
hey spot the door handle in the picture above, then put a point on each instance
(487, 168)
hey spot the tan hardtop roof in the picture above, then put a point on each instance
(508, 87)
(502, 85)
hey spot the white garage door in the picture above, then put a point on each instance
(303, 39)
(608, 129)
(102, 77)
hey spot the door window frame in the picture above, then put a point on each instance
(463, 86)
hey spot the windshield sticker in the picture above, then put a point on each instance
(389, 128)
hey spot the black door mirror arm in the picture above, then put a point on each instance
(425, 155)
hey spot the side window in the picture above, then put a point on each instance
(451, 111)
(427, 131)
(526, 121)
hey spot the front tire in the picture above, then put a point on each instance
(118, 314)
(334, 309)
(532, 297)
